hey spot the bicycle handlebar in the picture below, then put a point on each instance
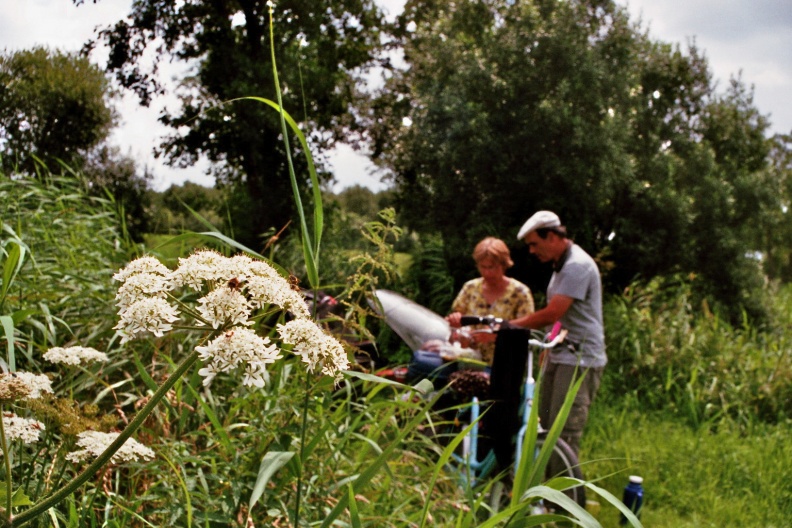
(495, 323)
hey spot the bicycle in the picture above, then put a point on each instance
(561, 457)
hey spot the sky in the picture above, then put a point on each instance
(751, 38)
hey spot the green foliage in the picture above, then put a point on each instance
(110, 172)
(53, 105)
(170, 216)
(211, 443)
(429, 282)
(74, 242)
(227, 42)
(692, 478)
(669, 353)
(776, 239)
(569, 106)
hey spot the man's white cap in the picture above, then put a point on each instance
(539, 220)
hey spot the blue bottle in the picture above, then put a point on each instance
(633, 497)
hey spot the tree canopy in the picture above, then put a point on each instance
(53, 105)
(506, 108)
(322, 47)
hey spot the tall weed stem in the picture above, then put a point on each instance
(6, 461)
(303, 429)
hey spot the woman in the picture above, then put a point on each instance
(491, 294)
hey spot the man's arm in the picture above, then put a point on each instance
(548, 315)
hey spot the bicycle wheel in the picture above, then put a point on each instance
(564, 463)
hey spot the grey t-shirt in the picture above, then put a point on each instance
(579, 278)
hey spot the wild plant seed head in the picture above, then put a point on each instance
(94, 443)
(24, 386)
(24, 429)
(74, 355)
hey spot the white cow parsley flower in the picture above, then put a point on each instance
(277, 291)
(151, 314)
(239, 346)
(23, 429)
(34, 384)
(74, 355)
(142, 265)
(200, 267)
(94, 443)
(140, 285)
(317, 349)
(224, 306)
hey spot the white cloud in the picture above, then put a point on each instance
(737, 36)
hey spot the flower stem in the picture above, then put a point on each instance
(304, 427)
(60, 494)
(7, 461)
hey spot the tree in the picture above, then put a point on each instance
(776, 234)
(109, 171)
(505, 108)
(169, 214)
(52, 105)
(322, 47)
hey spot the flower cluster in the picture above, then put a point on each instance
(94, 443)
(238, 346)
(74, 355)
(23, 386)
(317, 350)
(230, 290)
(142, 299)
(23, 429)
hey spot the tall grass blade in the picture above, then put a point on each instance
(270, 464)
(442, 462)
(310, 250)
(365, 477)
(581, 516)
(183, 485)
(611, 498)
(206, 223)
(8, 328)
(218, 427)
(540, 464)
(353, 509)
(14, 259)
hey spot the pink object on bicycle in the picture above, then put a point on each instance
(554, 331)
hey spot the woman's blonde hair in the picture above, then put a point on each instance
(494, 248)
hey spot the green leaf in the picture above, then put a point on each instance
(372, 469)
(353, 509)
(219, 429)
(18, 498)
(310, 251)
(7, 323)
(272, 462)
(15, 257)
(611, 498)
(373, 378)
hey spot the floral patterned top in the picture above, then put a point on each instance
(515, 302)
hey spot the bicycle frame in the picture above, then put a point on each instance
(477, 469)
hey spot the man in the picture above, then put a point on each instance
(574, 298)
